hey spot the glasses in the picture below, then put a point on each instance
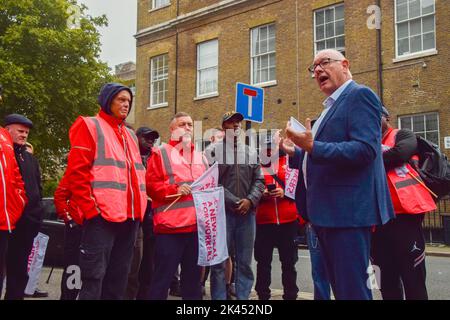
(325, 63)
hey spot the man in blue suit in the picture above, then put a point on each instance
(342, 188)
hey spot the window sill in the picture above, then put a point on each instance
(415, 55)
(266, 84)
(207, 96)
(159, 8)
(157, 106)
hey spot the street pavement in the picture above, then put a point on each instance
(438, 277)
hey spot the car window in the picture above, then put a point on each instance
(49, 209)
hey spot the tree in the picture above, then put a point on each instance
(50, 70)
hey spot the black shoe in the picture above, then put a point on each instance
(175, 291)
(38, 294)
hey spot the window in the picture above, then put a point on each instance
(263, 54)
(425, 125)
(159, 81)
(415, 26)
(329, 29)
(207, 67)
(160, 3)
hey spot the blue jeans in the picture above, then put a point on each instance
(240, 240)
(319, 275)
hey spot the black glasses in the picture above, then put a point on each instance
(323, 64)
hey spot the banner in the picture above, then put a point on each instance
(35, 262)
(211, 224)
(291, 181)
(209, 179)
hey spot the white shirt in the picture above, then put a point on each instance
(327, 104)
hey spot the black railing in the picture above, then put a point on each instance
(435, 224)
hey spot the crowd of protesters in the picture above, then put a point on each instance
(353, 193)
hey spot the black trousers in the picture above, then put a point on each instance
(4, 235)
(105, 256)
(268, 237)
(72, 239)
(19, 248)
(147, 267)
(398, 249)
(170, 251)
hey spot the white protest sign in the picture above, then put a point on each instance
(209, 179)
(35, 262)
(211, 225)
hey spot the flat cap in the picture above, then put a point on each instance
(18, 119)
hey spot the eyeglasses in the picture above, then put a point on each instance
(325, 63)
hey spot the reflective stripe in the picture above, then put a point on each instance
(109, 185)
(101, 154)
(178, 205)
(405, 183)
(133, 135)
(179, 183)
(139, 166)
(167, 165)
(142, 187)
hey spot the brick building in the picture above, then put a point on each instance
(190, 54)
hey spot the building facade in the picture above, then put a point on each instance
(190, 54)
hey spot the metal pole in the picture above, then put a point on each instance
(50, 274)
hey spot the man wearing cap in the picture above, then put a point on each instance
(171, 170)
(107, 181)
(241, 176)
(21, 241)
(398, 247)
(12, 194)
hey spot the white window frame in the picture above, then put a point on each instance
(340, 49)
(211, 93)
(408, 20)
(267, 53)
(411, 116)
(164, 77)
(155, 7)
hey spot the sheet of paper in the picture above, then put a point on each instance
(296, 125)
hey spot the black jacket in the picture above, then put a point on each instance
(405, 147)
(31, 175)
(239, 173)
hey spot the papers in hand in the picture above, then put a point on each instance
(296, 125)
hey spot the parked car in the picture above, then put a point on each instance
(54, 228)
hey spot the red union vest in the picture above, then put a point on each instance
(408, 195)
(177, 170)
(111, 175)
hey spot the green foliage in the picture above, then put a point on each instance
(50, 73)
(49, 187)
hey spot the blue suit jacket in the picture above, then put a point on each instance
(345, 173)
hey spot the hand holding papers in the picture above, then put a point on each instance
(296, 125)
(303, 139)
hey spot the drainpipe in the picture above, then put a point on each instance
(380, 61)
(176, 62)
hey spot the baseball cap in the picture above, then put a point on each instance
(232, 114)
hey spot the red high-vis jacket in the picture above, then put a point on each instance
(408, 195)
(105, 169)
(65, 208)
(12, 188)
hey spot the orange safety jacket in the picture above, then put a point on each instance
(113, 170)
(408, 195)
(177, 171)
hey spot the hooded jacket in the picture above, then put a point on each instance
(82, 154)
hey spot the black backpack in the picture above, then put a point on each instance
(433, 167)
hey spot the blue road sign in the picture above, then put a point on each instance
(250, 102)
